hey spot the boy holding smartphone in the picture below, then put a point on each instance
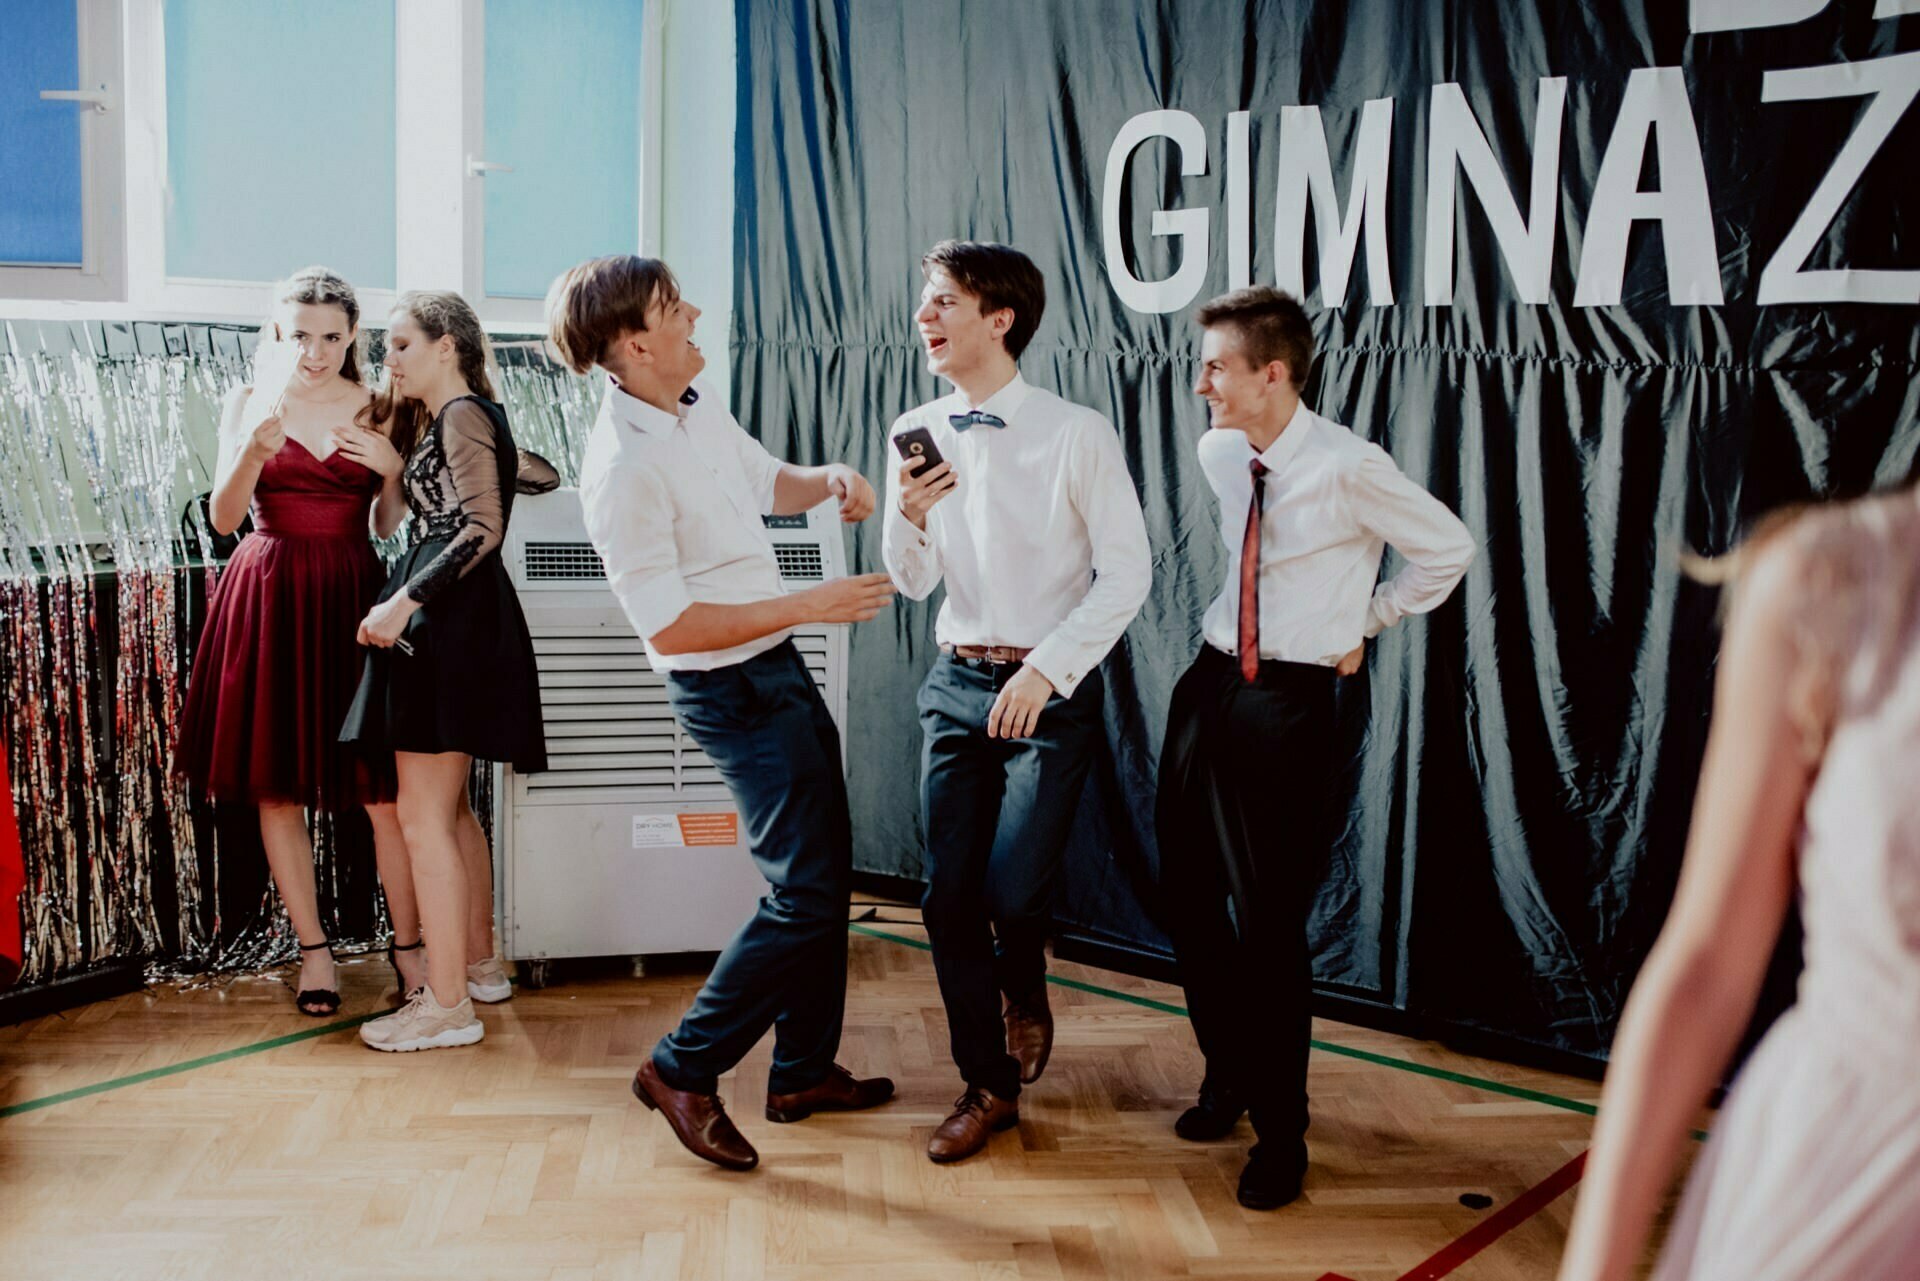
(1032, 519)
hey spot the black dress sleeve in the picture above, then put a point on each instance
(473, 471)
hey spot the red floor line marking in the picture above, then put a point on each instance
(1497, 1225)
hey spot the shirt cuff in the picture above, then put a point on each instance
(1378, 610)
(653, 605)
(912, 538)
(1054, 659)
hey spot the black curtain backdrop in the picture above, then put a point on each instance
(1522, 761)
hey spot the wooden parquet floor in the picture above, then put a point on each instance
(285, 1150)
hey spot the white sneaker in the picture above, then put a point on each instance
(487, 981)
(424, 1024)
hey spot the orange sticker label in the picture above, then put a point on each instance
(710, 829)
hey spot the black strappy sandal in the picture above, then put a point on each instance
(394, 961)
(326, 999)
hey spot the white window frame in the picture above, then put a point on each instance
(439, 206)
(102, 274)
(152, 292)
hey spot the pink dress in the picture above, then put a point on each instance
(1812, 1172)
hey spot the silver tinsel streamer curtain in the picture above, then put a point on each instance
(107, 443)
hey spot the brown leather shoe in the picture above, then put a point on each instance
(1030, 1033)
(697, 1120)
(840, 1092)
(977, 1114)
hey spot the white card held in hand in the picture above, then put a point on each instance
(274, 361)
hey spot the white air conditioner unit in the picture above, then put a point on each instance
(628, 844)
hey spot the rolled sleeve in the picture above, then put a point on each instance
(629, 518)
(1436, 545)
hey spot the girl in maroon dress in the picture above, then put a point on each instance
(277, 662)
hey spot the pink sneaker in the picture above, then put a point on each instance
(487, 981)
(424, 1024)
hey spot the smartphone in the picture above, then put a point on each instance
(917, 442)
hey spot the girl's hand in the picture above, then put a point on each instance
(267, 438)
(370, 449)
(384, 622)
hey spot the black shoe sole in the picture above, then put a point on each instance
(1266, 1203)
(1207, 1136)
(1272, 1200)
(1213, 1133)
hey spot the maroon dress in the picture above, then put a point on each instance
(278, 663)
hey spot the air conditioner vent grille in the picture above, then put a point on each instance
(800, 561)
(576, 562)
(609, 726)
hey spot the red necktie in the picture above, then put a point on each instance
(1250, 578)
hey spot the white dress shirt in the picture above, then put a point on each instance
(673, 505)
(1333, 502)
(1041, 541)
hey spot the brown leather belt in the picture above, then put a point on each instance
(990, 653)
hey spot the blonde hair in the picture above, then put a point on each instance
(439, 314)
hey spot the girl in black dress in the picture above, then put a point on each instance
(450, 671)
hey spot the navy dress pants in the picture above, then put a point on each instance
(763, 724)
(997, 813)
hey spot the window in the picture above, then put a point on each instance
(561, 112)
(562, 115)
(478, 145)
(61, 155)
(280, 139)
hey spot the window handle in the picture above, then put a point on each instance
(478, 168)
(100, 99)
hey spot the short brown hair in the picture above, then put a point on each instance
(594, 303)
(1001, 277)
(1272, 326)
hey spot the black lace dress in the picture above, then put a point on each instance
(470, 684)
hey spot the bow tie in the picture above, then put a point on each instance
(974, 418)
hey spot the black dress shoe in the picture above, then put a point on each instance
(1270, 1181)
(1213, 1117)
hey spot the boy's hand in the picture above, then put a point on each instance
(853, 491)
(848, 600)
(1351, 663)
(1017, 711)
(918, 494)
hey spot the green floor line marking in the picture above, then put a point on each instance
(154, 1074)
(1383, 1060)
(1366, 1056)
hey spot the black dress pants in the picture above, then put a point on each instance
(1243, 816)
